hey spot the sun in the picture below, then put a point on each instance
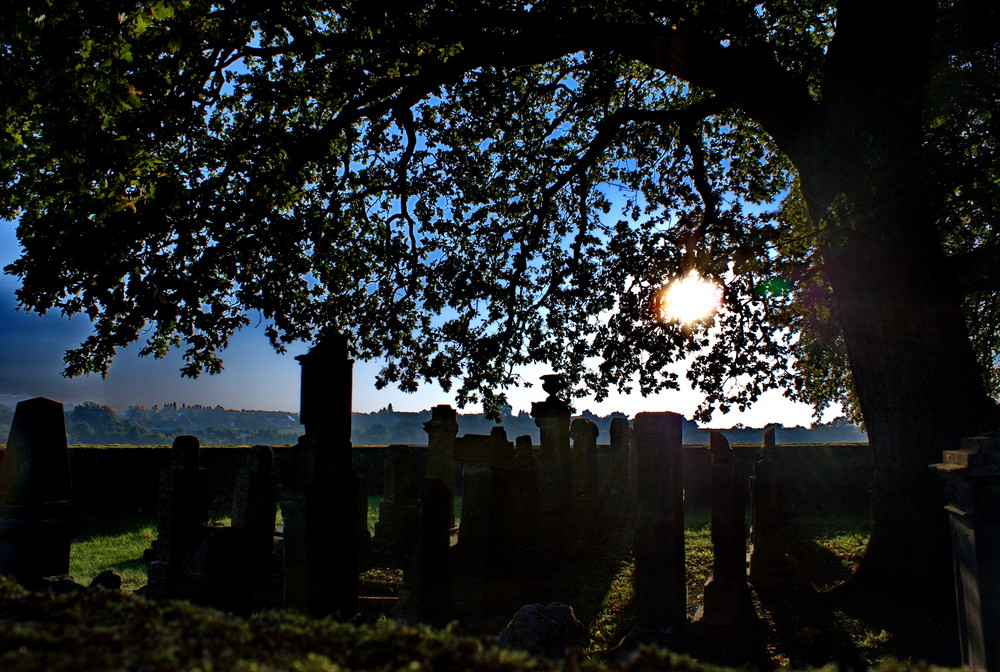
(688, 300)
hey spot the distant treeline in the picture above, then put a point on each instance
(91, 423)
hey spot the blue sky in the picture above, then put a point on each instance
(32, 346)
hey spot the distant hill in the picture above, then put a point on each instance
(94, 423)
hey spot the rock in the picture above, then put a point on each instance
(60, 585)
(551, 630)
(107, 580)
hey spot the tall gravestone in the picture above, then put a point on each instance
(660, 588)
(482, 562)
(426, 593)
(523, 511)
(35, 492)
(321, 495)
(727, 602)
(587, 527)
(388, 544)
(552, 417)
(972, 486)
(254, 512)
(182, 514)
(623, 467)
(441, 430)
(766, 551)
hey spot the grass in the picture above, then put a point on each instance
(823, 550)
(117, 547)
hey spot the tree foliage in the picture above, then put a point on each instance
(462, 187)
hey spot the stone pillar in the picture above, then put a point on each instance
(727, 603)
(254, 512)
(766, 554)
(660, 588)
(552, 418)
(441, 430)
(321, 495)
(426, 593)
(35, 491)
(181, 517)
(972, 485)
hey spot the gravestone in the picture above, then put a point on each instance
(388, 544)
(320, 498)
(181, 519)
(660, 588)
(482, 562)
(254, 512)
(584, 434)
(523, 511)
(425, 596)
(587, 526)
(552, 417)
(623, 466)
(36, 526)
(441, 430)
(217, 574)
(727, 602)
(766, 544)
(972, 487)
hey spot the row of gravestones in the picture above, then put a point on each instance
(324, 506)
(522, 508)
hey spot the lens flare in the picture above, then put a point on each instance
(688, 300)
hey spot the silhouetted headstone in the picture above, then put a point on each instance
(766, 551)
(624, 467)
(972, 485)
(254, 512)
(552, 417)
(321, 496)
(523, 512)
(660, 588)
(182, 514)
(727, 603)
(481, 557)
(426, 593)
(35, 492)
(390, 530)
(441, 430)
(584, 434)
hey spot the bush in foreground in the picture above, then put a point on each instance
(101, 630)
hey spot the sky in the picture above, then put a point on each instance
(256, 377)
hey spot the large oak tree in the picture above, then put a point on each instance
(469, 186)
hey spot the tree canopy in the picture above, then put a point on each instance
(464, 187)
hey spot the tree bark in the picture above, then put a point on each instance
(919, 386)
(917, 379)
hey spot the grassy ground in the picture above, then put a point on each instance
(800, 621)
(118, 547)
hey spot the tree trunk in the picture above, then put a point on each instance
(919, 387)
(917, 380)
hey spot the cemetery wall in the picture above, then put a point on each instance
(813, 478)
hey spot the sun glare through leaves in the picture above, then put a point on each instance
(688, 300)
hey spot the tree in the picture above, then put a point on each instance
(470, 186)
